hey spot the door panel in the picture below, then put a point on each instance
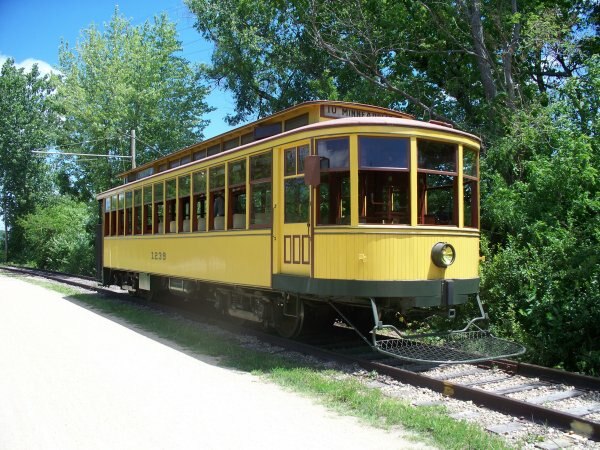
(294, 238)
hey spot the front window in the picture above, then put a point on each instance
(384, 181)
(334, 191)
(437, 183)
(470, 188)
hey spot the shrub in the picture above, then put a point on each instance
(59, 236)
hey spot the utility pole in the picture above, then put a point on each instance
(133, 149)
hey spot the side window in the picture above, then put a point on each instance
(333, 193)
(107, 216)
(113, 215)
(201, 154)
(184, 223)
(261, 191)
(121, 215)
(384, 181)
(199, 201)
(437, 182)
(216, 199)
(147, 209)
(137, 211)
(128, 212)
(296, 193)
(159, 208)
(236, 183)
(470, 188)
(170, 210)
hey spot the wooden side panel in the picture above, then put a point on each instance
(239, 258)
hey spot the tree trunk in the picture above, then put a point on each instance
(483, 58)
(507, 58)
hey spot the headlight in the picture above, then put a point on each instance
(443, 254)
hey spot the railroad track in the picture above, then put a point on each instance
(534, 393)
(530, 392)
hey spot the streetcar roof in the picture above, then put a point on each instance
(351, 109)
(344, 122)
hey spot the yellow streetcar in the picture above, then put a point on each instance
(324, 209)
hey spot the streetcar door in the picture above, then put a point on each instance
(295, 241)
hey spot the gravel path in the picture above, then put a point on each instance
(71, 379)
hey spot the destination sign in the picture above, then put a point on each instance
(342, 112)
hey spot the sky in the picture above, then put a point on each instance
(31, 32)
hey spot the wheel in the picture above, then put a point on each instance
(286, 325)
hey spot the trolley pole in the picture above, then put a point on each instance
(133, 149)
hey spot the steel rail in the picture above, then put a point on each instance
(545, 373)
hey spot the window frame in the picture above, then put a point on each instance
(121, 214)
(199, 196)
(128, 213)
(232, 189)
(106, 216)
(158, 201)
(171, 204)
(421, 215)
(113, 215)
(295, 176)
(137, 207)
(257, 182)
(212, 193)
(181, 202)
(148, 207)
(335, 171)
(362, 194)
(474, 180)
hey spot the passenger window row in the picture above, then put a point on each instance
(236, 195)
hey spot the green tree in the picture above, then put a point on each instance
(466, 61)
(262, 55)
(59, 236)
(542, 213)
(122, 78)
(27, 122)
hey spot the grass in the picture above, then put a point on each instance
(335, 389)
